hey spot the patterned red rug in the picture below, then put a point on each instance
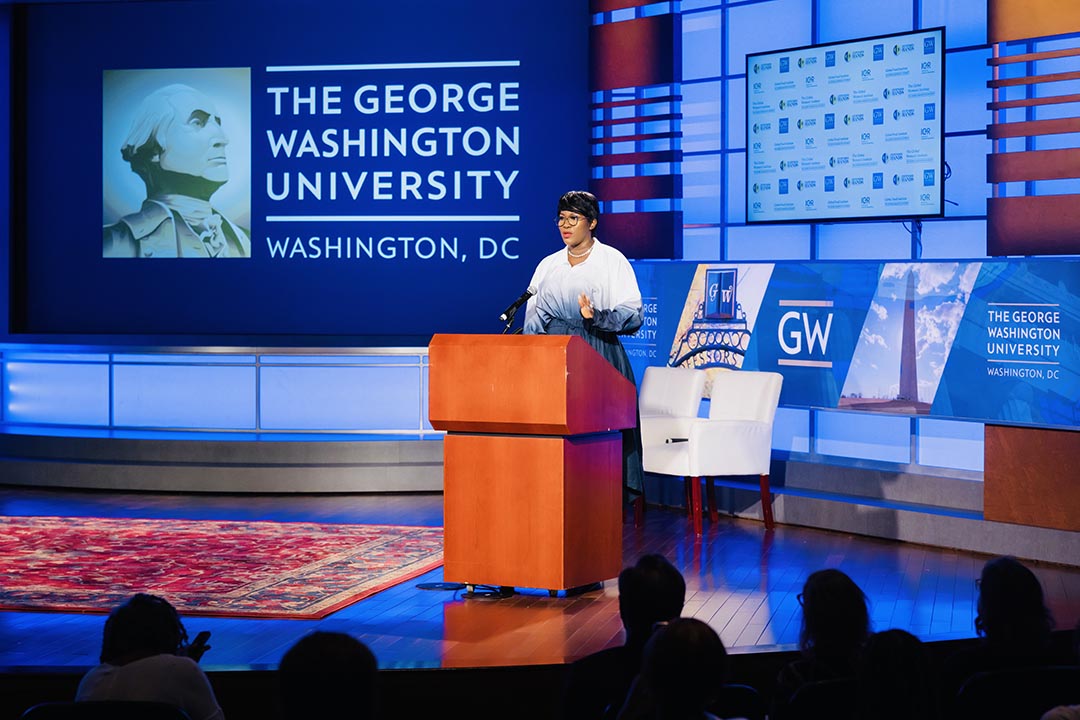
(206, 567)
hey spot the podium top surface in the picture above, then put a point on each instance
(525, 384)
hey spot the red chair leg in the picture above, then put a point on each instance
(710, 497)
(636, 509)
(766, 502)
(695, 503)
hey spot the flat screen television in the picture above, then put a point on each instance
(847, 131)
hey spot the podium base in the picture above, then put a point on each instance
(489, 592)
(440, 586)
(579, 590)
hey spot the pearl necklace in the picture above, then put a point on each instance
(571, 253)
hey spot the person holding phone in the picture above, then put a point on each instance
(145, 657)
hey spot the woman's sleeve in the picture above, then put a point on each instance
(624, 316)
(534, 324)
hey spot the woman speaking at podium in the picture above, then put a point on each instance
(588, 289)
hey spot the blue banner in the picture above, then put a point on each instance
(991, 341)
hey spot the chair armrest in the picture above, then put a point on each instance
(729, 447)
(657, 429)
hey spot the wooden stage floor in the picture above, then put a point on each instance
(741, 579)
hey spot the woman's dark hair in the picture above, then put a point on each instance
(145, 625)
(328, 674)
(893, 680)
(1011, 609)
(650, 591)
(835, 619)
(684, 664)
(581, 202)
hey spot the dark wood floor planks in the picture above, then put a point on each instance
(740, 579)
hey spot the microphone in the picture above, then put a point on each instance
(509, 312)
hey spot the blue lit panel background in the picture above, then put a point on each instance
(56, 393)
(340, 398)
(184, 396)
(864, 435)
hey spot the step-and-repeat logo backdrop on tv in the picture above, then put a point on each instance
(316, 168)
(994, 341)
(846, 130)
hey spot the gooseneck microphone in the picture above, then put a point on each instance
(508, 313)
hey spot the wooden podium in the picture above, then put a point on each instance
(532, 459)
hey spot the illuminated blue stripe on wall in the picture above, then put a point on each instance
(186, 358)
(171, 396)
(55, 357)
(340, 398)
(864, 435)
(340, 359)
(56, 393)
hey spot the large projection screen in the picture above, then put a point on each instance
(847, 131)
(238, 169)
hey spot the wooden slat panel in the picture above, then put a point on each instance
(637, 158)
(637, 138)
(1024, 482)
(1033, 165)
(644, 234)
(1032, 57)
(1033, 127)
(638, 101)
(1036, 225)
(636, 119)
(635, 53)
(1021, 19)
(1033, 79)
(598, 6)
(642, 187)
(1032, 102)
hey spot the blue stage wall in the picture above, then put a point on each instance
(337, 305)
(5, 165)
(395, 166)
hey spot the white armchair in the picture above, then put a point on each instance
(736, 439)
(668, 404)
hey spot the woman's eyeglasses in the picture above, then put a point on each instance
(567, 220)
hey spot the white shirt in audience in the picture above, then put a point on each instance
(159, 678)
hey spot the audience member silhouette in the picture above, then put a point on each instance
(650, 591)
(1068, 712)
(1063, 712)
(328, 675)
(835, 624)
(144, 658)
(682, 669)
(894, 680)
(1014, 624)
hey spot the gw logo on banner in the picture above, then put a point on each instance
(720, 294)
(801, 334)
